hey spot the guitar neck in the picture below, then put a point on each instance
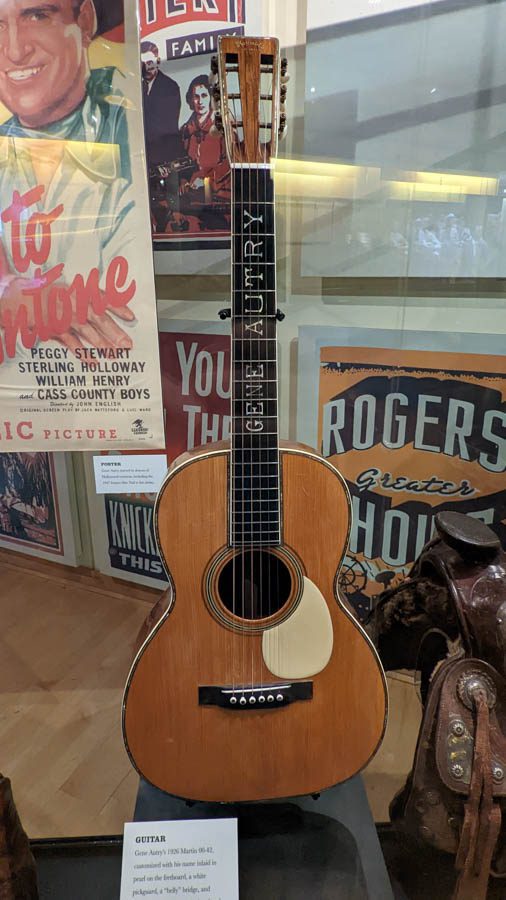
(255, 487)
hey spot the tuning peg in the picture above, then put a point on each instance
(284, 79)
(282, 93)
(282, 124)
(216, 93)
(214, 65)
(218, 121)
(284, 65)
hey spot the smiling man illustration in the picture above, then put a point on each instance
(64, 118)
(45, 77)
(43, 61)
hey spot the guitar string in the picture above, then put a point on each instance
(264, 330)
(274, 332)
(261, 232)
(242, 419)
(260, 213)
(251, 439)
(237, 419)
(273, 311)
(246, 463)
(232, 374)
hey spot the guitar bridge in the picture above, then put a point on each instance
(270, 696)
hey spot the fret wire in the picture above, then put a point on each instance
(272, 500)
(260, 490)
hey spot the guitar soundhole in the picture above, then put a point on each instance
(254, 584)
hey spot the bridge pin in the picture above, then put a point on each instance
(280, 698)
(233, 700)
(252, 700)
(270, 698)
(243, 701)
(261, 698)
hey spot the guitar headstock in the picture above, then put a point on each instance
(249, 81)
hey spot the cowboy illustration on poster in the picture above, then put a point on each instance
(70, 304)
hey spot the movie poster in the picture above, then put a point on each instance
(413, 432)
(196, 399)
(29, 512)
(78, 333)
(189, 175)
(35, 512)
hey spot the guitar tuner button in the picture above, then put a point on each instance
(270, 698)
(243, 701)
(261, 698)
(214, 64)
(279, 698)
(233, 700)
(252, 700)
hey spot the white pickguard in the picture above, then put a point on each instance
(301, 646)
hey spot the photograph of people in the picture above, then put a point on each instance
(162, 106)
(66, 130)
(209, 184)
(27, 505)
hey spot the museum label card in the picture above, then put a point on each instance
(132, 474)
(181, 859)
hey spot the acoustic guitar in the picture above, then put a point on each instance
(256, 682)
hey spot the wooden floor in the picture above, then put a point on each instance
(65, 648)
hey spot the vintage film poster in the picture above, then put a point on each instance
(413, 432)
(35, 513)
(196, 399)
(78, 334)
(189, 175)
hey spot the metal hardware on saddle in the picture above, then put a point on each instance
(456, 792)
(473, 683)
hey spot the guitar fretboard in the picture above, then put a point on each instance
(255, 489)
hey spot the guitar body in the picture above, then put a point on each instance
(187, 745)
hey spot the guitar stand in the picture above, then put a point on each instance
(305, 848)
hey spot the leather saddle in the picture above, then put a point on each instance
(454, 599)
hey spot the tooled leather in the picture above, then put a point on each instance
(426, 808)
(433, 804)
(458, 750)
(482, 816)
(479, 593)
